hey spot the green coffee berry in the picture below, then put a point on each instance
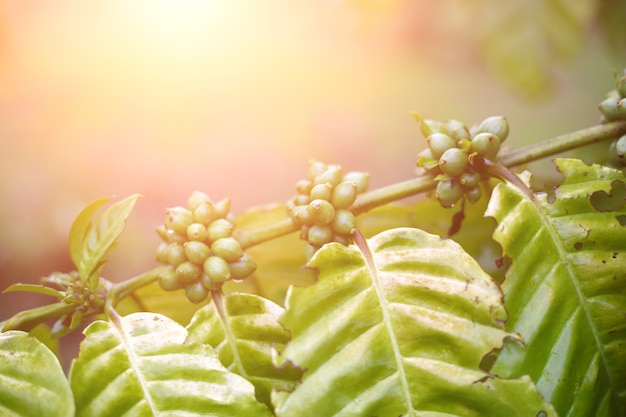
(197, 252)
(430, 126)
(222, 208)
(301, 200)
(176, 254)
(361, 179)
(243, 267)
(608, 107)
(168, 280)
(331, 175)
(204, 213)
(169, 235)
(473, 194)
(438, 143)
(453, 162)
(321, 211)
(620, 86)
(620, 152)
(470, 179)
(448, 192)
(187, 272)
(341, 238)
(217, 269)
(321, 192)
(319, 235)
(343, 195)
(309, 251)
(425, 160)
(178, 219)
(196, 199)
(316, 168)
(621, 109)
(344, 222)
(196, 292)
(457, 130)
(197, 231)
(486, 145)
(227, 248)
(496, 125)
(162, 252)
(302, 215)
(218, 229)
(304, 187)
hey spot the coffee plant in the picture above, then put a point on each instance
(490, 297)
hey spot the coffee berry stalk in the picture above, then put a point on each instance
(199, 248)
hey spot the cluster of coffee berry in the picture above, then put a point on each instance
(199, 246)
(321, 206)
(614, 106)
(450, 152)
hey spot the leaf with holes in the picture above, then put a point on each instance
(140, 365)
(399, 325)
(244, 330)
(32, 382)
(566, 289)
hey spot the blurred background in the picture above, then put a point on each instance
(163, 97)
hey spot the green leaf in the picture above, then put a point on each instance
(140, 365)
(32, 382)
(566, 290)
(90, 242)
(244, 335)
(36, 288)
(399, 328)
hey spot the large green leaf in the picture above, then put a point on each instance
(244, 330)
(140, 365)
(399, 329)
(32, 382)
(566, 289)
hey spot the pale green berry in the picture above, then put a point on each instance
(620, 86)
(178, 219)
(304, 187)
(332, 175)
(496, 125)
(176, 254)
(457, 130)
(438, 143)
(321, 211)
(301, 200)
(197, 252)
(430, 126)
(486, 145)
(316, 168)
(227, 248)
(197, 231)
(187, 272)
(344, 239)
(361, 179)
(222, 207)
(204, 213)
(617, 152)
(243, 267)
(309, 251)
(448, 192)
(168, 280)
(218, 229)
(453, 162)
(344, 195)
(321, 192)
(608, 108)
(302, 215)
(217, 269)
(344, 222)
(621, 109)
(196, 199)
(196, 292)
(162, 252)
(470, 179)
(319, 235)
(425, 160)
(473, 194)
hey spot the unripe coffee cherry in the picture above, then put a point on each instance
(301, 200)
(196, 292)
(243, 267)
(470, 179)
(429, 126)
(196, 199)
(222, 208)
(204, 213)
(344, 195)
(438, 143)
(620, 85)
(169, 236)
(618, 152)
(344, 222)
(496, 125)
(486, 145)
(168, 280)
(320, 192)
(319, 235)
(360, 179)
(453, 162)
(176, 254)
(448, 192)
(315, 168)
(218, 229)
(457, 130)
(331, 175)
(217, 269)
(608, 108)
(621, 109)
(321, 211)
(162, 252)
(227, 248)
(178, 219)
(302, 215)
(304, 187)
(473, 194)
(197, 252)
(197, 231)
